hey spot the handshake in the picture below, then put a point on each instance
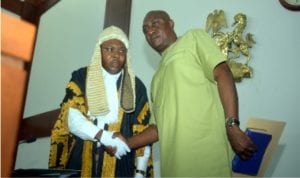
(86, 130)
(108, 141)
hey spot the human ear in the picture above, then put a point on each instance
(171, 23)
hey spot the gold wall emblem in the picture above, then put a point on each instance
(232, 44)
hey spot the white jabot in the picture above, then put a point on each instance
(110, 83)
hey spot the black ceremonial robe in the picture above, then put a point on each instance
(68, 151)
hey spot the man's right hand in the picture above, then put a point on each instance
(108, 140)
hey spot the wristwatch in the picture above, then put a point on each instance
(141, 172)
(230, 121)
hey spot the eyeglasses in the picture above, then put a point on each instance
(111, 50)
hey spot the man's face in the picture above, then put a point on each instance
(158, 31)
(114, 55)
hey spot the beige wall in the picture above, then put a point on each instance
(273, 92)
(68, 32)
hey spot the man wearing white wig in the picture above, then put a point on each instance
(102, 99)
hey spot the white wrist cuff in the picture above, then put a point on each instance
(106, 137)
(139, 174)
(142, 161)
(80, 126)
(91, 131)
(100, 124)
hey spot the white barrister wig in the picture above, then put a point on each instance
(95, 89)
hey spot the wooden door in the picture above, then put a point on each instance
(17, 39)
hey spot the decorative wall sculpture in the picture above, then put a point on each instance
(233, 44)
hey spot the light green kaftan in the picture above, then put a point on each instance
(188, 111)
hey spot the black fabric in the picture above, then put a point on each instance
(79, 77)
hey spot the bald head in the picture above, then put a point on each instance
(158, 13)
(158, 28)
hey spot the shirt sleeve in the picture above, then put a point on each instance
(210, 55)
(80, 126)
(152, 118)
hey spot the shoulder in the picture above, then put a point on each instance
(79, 73)
(197, 32)
(191, 35)
(79, 77)
(139, 83)
(199, 36)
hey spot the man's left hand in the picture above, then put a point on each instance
(241, 143)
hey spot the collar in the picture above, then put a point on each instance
(111, 77)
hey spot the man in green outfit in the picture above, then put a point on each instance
(195, 104)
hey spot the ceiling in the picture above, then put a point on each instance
(29, 10)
